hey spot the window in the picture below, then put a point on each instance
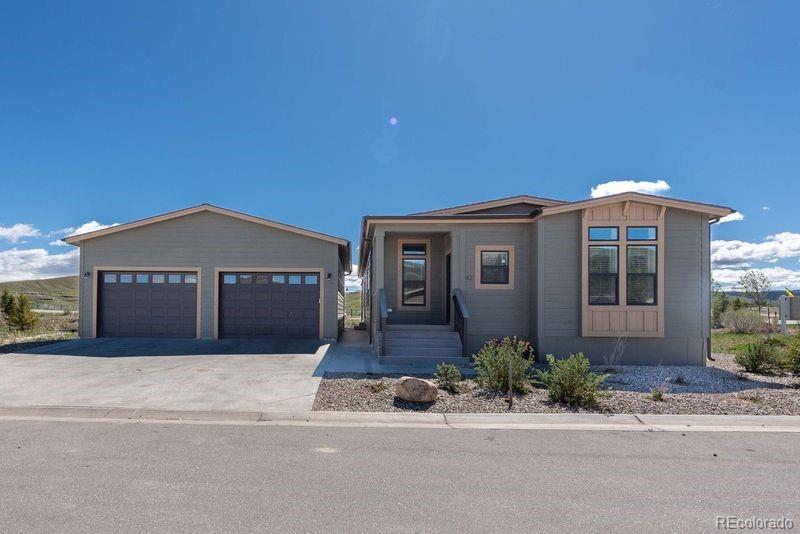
(229, 279)
(158, 278)
(246, 279)
(110, 278)
(494, 266)
(278, 279)
(603, 233)
(642, 233)
(190, 279)
(174, 279)
(312, 279)
(125, 278)
(262, 279)
(142, 278)
(294, 279)
(641, 275)
(603, 274)
(414, 249)
(414, 281)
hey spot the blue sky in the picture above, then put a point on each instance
(113, 111)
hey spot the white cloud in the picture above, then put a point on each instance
(90, 226)
(776, 247)
(623, 186)
(18, 232)
(85, 228)
(352, 282)
(735, 216)
(765, 208)
(780, 277)
(30, 264)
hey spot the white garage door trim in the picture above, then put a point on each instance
(96, 287)
(317, 270)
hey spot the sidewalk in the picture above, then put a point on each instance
(622, 422)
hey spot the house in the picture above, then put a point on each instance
(624, 278)
(209, 272)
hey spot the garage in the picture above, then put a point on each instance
(209, 272)
(269, 304)
(147, 304)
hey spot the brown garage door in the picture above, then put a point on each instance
(269, 305)
(147, 304)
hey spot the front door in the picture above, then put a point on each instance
(447, 288)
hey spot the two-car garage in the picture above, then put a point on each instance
(220, 274)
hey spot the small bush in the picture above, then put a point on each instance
(657, 394)
(22, 316)
(570, 380)
(792, 357)
(492, 364)
(757, 357)
(743, 321)
(680, 380)
(379, 386)
(448, 377)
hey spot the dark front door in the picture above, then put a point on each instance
(447, 298)
(263, 305)
(147, 304)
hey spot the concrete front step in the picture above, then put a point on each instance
(421, 335)
(460, 361)
(418, 327)
(426, 352)
(390, 341)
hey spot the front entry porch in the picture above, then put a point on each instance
(418, 318)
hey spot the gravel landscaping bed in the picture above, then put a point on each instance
(717, 389)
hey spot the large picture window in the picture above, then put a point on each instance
(603, 274)
(414, 274)
(641, 275)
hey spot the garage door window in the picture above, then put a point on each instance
(245, 278)
(190, 279)
(262, 279)
(158, 278)
(312, 279)
(229, 279)
(142, 279)
(125, 278)
(110, 278)
(278, 279)
(294, 279)
(174, 279)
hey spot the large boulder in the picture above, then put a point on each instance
(416, 389)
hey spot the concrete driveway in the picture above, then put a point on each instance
(241, 375)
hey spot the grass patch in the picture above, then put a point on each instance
(732, 343)
(52, 326)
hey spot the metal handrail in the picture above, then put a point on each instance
(461, 318)
(384, 316)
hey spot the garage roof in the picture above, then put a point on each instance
(75, 239)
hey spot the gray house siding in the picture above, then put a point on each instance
(497, 313)
(686, 294)
(209, 241)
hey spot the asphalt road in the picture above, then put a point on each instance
(136, 477)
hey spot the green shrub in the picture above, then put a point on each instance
(657, 394)
(492, 364)
(570, 381)
(792, 356)
(743, 321)
(448, 377)
(378, 387)
(757, 357)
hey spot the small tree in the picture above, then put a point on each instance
(22, 316)
(755, 285)
(719, 303)
(737, 304)
(6, 305)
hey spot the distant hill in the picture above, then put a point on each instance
(772, 296)
(48, 294)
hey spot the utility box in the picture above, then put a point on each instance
(794, 307)
(788, 310)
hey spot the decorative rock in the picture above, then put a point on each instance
(416, 389)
